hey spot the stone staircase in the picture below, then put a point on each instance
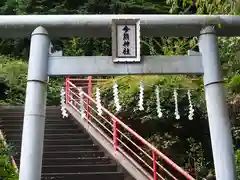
(69, 152)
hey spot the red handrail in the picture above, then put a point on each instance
(116, 122)
(81, 79)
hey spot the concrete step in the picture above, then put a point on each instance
(79, 147)
(71, 154)
(21, 113)
(79, 168)
(76, 130)
(53, 136)
(50, 126)
(47, 131)
(21, 108)
(21, 116)
(48, 121)
(70, 161)
(54, 118)
(84, 176)
(60, 142)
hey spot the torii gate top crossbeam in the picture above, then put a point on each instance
(100, 25)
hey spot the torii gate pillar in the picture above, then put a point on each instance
(218, 116)
(35, 107)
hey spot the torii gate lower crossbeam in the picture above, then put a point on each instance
(34, 116)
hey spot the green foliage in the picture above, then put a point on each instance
(237, 160)
(7, 171)
(53, 92)
(13, 74)
(234, 84)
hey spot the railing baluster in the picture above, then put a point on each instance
(154, 165)
(90, 95)
(115, 135)
(67, 89)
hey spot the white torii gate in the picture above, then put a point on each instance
(42, 65)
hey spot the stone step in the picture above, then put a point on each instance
(53, 136)
(48, 121)
(21, 113)
(64, 148)
(70, 154)
(50, 126)
(79, 168)
(85, 141)
(21, 116)
(47, 131)
(70, 161)
(21, 108)
(84, 176)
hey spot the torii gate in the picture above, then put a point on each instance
(42, 65)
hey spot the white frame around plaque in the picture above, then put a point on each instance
(115, 24)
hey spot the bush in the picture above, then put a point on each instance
(13, 77)
(234, 84)
(7, 171)
(237, 160)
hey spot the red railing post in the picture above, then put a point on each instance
(90, 95)
(154, 165)
(67, 89)
(115, 135)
